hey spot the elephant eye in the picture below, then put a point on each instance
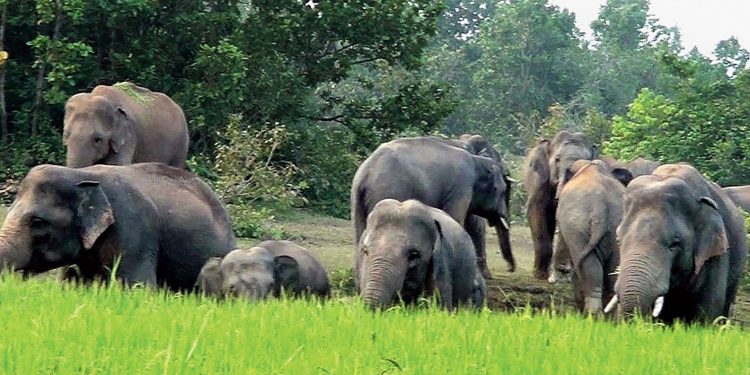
(365, 250)
(413, 254)
(98, 140)
(675, 245)
(38, 221)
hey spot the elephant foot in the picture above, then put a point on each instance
(541, 274)
(483, 269)
(557, 276)
(593, 305)
(511, 267)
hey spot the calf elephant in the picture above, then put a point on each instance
(439, 175)
(740, 195)
(124, 124)
(588, 213)
(476, 225)
(682, 244)
(265, 270)
(544, 168)
(162, 222)
(410, 249)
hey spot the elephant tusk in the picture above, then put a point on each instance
(511, 180)
(504, 223)
(658, 305)
(611, 305)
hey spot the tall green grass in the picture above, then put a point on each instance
(47, 327)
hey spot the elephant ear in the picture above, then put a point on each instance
(209, 279)
(623, 175)
(286, 273)
(94, 212)
(118, 140)
(538, 162)
(439, 265)
(712, 237)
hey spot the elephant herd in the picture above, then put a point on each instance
(635, 237)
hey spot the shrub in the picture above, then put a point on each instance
(247, 176)
(341, 281)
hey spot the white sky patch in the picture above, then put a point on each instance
(702, 23)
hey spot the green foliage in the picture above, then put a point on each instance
(253, 221)
(341, 281)
(105, 329)
(704, 125)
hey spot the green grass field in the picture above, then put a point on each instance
(52, 328)
(49, 327)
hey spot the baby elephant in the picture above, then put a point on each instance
(410, 249)
(265, 269)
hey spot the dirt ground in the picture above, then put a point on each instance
(331, 239)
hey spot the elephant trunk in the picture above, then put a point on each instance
(641, 282)
(15, 241)
(503, 238)
(383, 281)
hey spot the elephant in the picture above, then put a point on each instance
(156, 224)
(544, 168)
(264, 270)
(740, 195)
(410, 249)
(588, 213)
(475, 225)
(437, 174)
(682, 247)
(124, 124)
(640, 166)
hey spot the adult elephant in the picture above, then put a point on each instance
(162, 223)
(124, 124)
(682, 244)
(544, 168)
(439, 175)
(740, 195)
(409, 250)
(475, 225)
(588, 213)
(640, 166)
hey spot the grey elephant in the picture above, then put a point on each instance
(544, 168)
(640, 166)
(162, 223)
(588, 213)
(439, 175)
(475, 225)
(265, 270)
(682, 244)
(409, 250)
(740, 195)
(124, 124)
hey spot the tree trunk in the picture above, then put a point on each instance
(3, 112)
(42, 72)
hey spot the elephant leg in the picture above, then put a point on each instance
(476, 228)
(542, 224)
(590, 277)
(560, 270)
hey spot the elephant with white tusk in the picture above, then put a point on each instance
(682, 247)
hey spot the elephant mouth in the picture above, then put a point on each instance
(656, 308)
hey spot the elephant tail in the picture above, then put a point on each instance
(598, 233)
(359, 213)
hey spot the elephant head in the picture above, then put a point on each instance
(253, 274)
(396, 252)
(671, 226)
(57, 215)
(96, 131)
(619, 173)
(563, 151)
(491, 192)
